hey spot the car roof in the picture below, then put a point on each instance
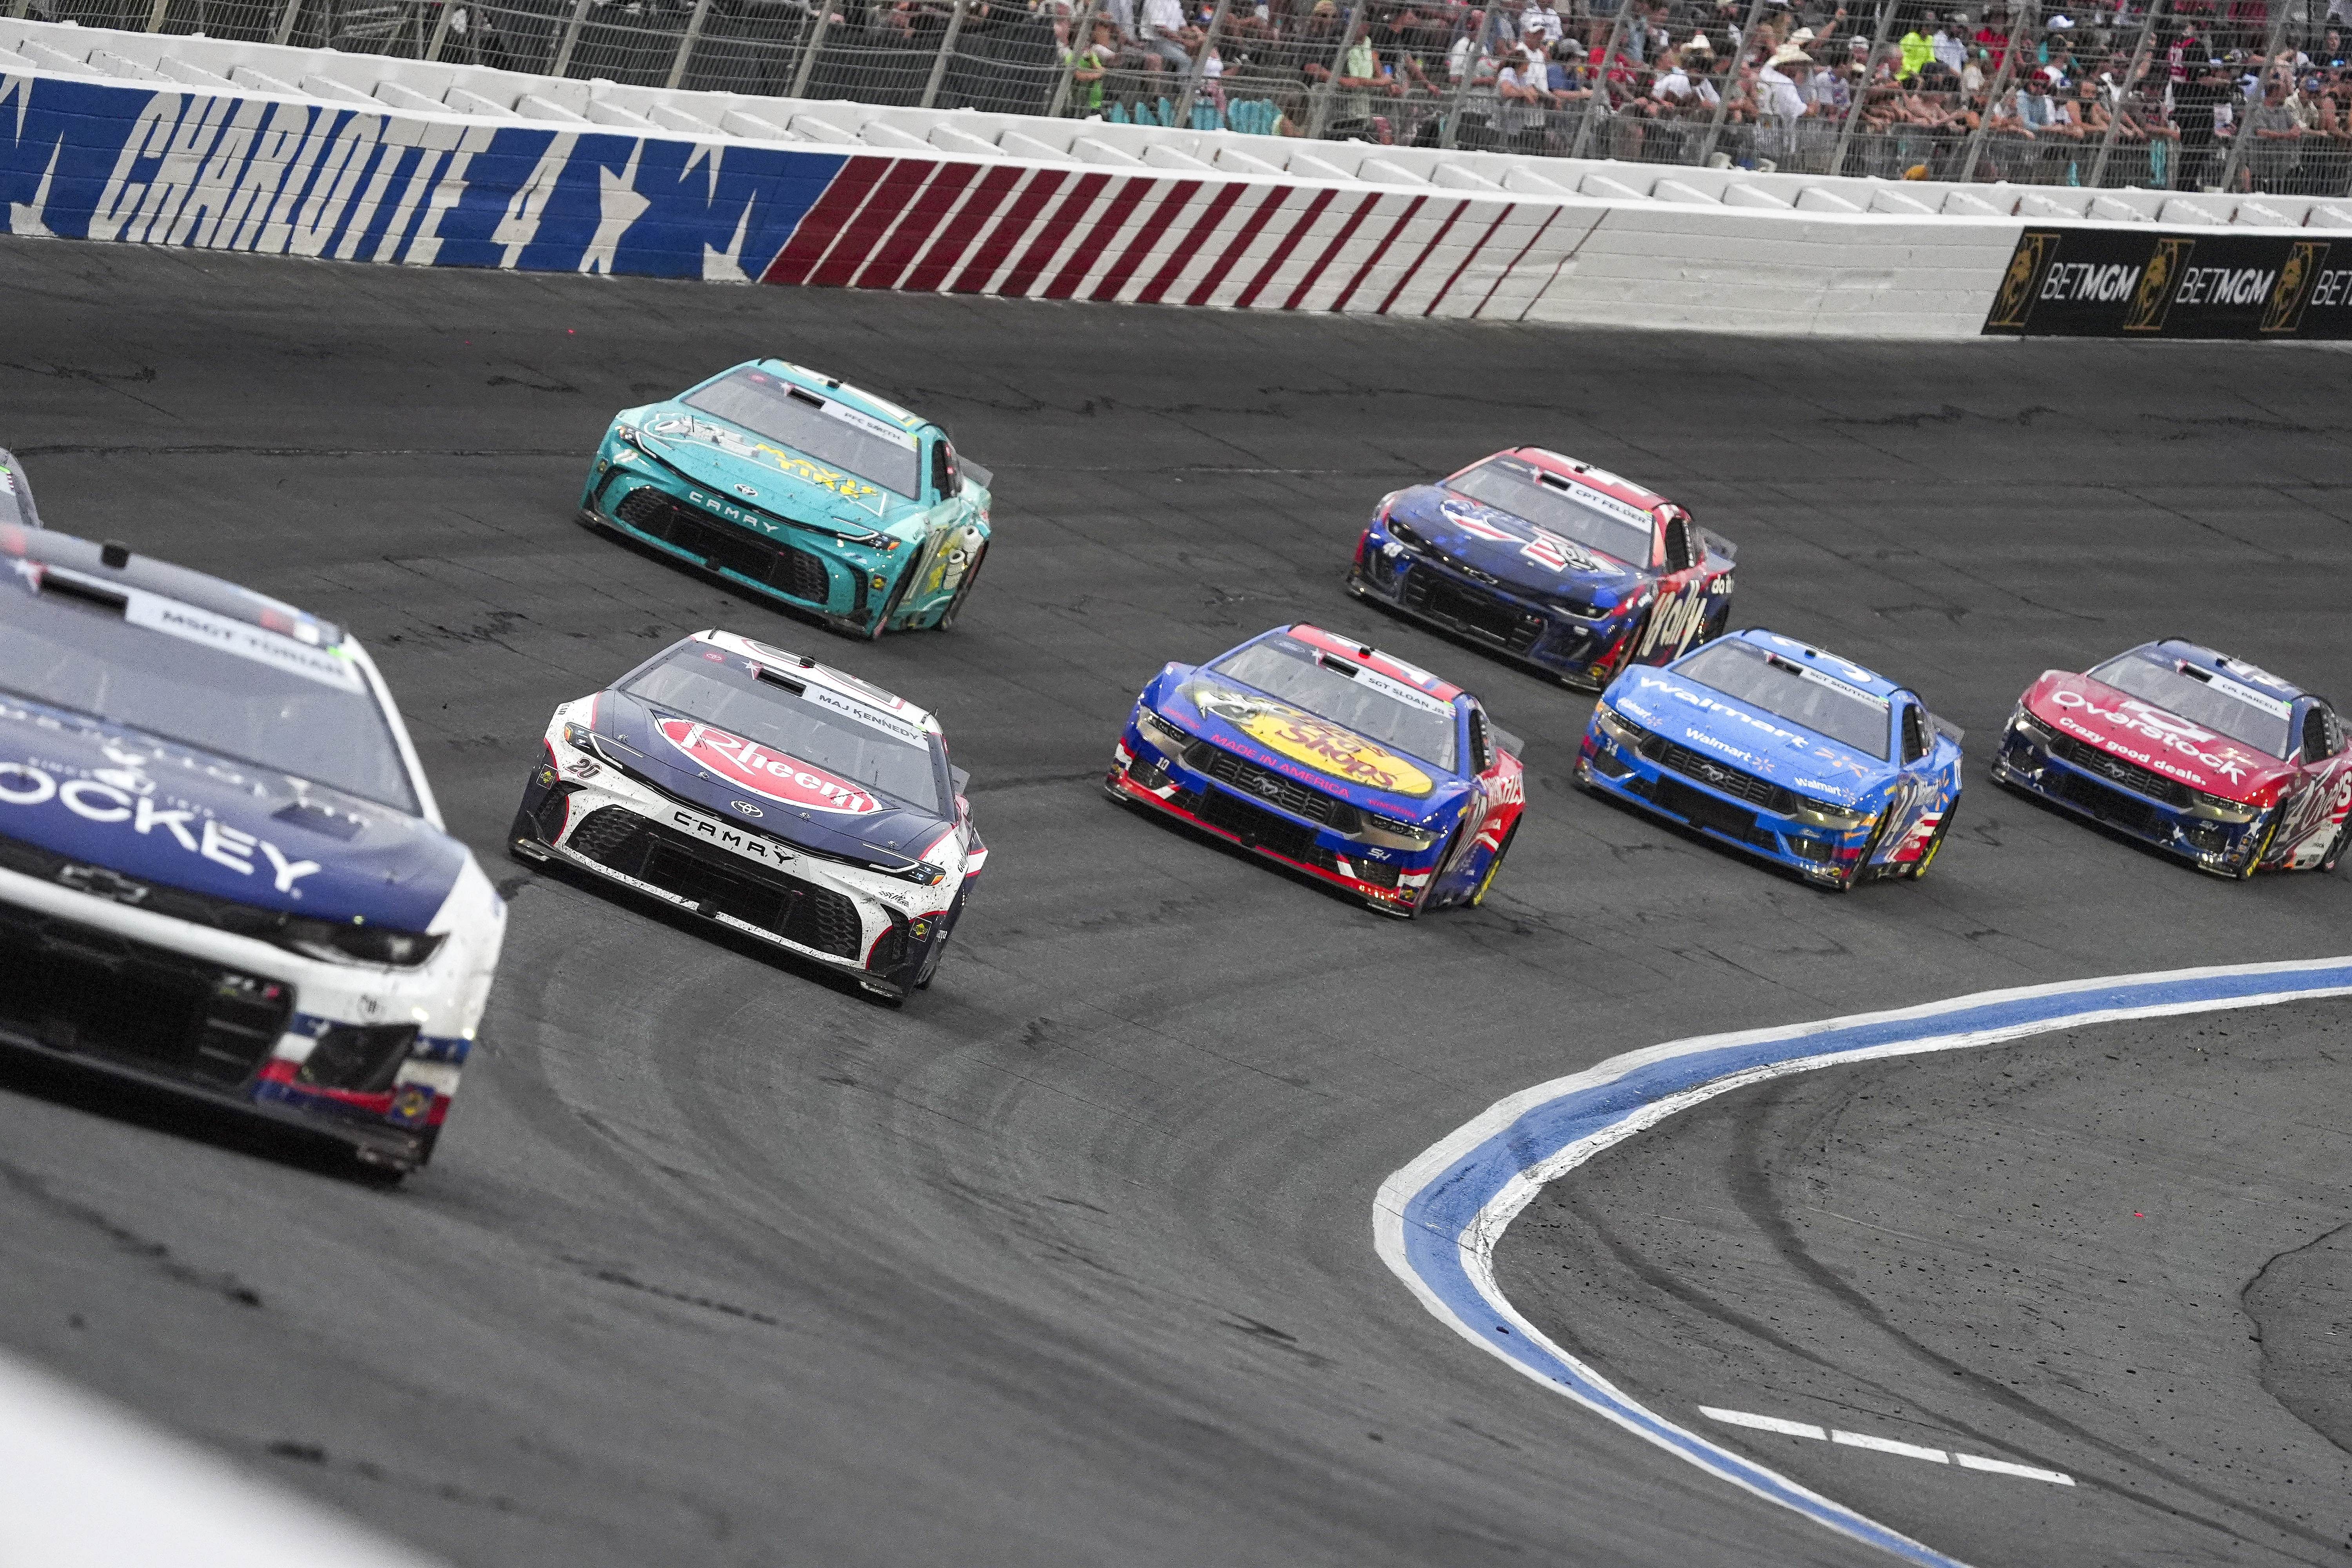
(1578, 471)
(824, 385)
(1371, 658)
(2214, 663)
(809, 672)
(84, 559)
(1828, 663)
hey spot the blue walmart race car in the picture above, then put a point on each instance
(811, 495)
(1787, 752)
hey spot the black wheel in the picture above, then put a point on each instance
(1495, 864)
(963, 589)
(2254, 860)
(2335, 855)
(1918, 868)
(891, 606)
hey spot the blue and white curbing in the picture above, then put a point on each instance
(1437, 1221)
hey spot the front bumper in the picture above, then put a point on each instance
(1832, 856)
(1177, 782)
(851, 588)
(1433, 591)
(2079, 779)
(854, 922)
(366, 1053)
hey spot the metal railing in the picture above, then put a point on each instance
(1618, 79)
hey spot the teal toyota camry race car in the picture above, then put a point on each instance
(817, 496)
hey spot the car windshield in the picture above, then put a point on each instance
(1361, 700)
(1601, 523)
(2215, 701)
(830, 432)
(854, 739)
(219, 685)
(1787, 690)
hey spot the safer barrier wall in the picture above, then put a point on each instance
(145, 163)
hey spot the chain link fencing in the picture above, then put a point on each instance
(2234, 95)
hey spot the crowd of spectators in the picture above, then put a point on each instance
(1801, 85)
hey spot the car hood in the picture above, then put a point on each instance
(2158, 739)
(790, 800)
(1748, 738)
(155, 812)
(1518, 554)
(740, 467)
(1300, 746)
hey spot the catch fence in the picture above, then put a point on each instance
(2164, 94)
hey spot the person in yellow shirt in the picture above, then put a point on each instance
(1919, 47)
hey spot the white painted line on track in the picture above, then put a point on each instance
(83, 1485)
(2004, 1468)
(1889, 1446)
(1789, 1428)
(1437, 1221)
(1765, 1423)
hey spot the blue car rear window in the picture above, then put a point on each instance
(1787, 690)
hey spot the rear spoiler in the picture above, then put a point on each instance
(16, 493)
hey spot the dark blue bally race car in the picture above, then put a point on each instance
(1551, 561)
(1785, 750)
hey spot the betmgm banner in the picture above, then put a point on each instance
(2139, 283)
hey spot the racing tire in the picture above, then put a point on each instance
(1918, 868)
(2335, 855)
(1847, 883)
(963, 591)
(2245, 873)
(891, 606)
(1478, 895)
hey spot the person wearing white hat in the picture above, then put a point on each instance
(1781, 99)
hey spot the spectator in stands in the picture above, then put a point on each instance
(1522, 94)
(1950, 47)
(2276, 147)
(1780, 102)
(1919, 47)
(1168, 40)
(1680, 96)
(1090, 66)
(1992, 40)
(1360, 75)
(1540, 18)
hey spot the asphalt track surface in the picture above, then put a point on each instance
(1070, 1261)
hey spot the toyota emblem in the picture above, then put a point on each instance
(745, 808)
(746, 492)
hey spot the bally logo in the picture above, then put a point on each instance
(746, 764)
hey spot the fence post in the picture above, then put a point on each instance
(1318, 106)
(693, 35)
(1596, 101)
(939, 61)
(2245, 130)
(809, 50)
(1999, 85)
(1200, 67)
(279, 33)
(561, 64)
(1730, 82)
(440, 30)
(1869, 75)
(2115, 111)
(1449, 132)
(161, 8)
(1082, 37)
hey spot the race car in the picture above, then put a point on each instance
(768, 794)
(813, 495)
(1559, 566)
(16, 493)
(1334, 759)
(1785, 750)
(2205, 757)
(221, 869)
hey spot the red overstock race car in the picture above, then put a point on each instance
(2208, 758)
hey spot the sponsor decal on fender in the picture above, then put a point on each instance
(748, 766)
(193, 830)
(1319, 744)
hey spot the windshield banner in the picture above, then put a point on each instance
(2139, 283)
